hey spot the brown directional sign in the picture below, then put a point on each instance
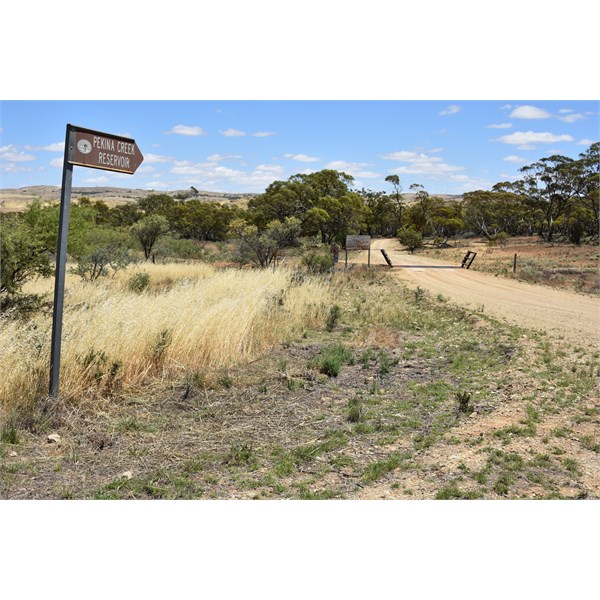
(88, 148)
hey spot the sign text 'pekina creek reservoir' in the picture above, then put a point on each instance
(106, 151)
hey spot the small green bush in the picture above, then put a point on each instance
(138, 282)
(332, 359)
(410, 238)
(464, 402)
(240, 454)
(420, 294)
(333, 317)
(316, 262)
(498, 239)
(22, 306)
(355, 410)
(9, 434)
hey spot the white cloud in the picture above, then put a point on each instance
(509, 176)
(402, 156)
(451, 110)
(14, 168)
(147, 170)
(10, 154)
(500, 126)
(56, 147)
(211, 174)
(232, 133)
(219, 157)
(525, 139)
(506, 107)
(529, 112)
(155, 185)
(100, 179)
(269, 169)
(515, 159)
(263, 133)
(353, 168)
(566, 110)
(186, 130)
(262, 176)
(427, 168)
(186, 167)
(470, 183)
(421, 164)
(156, 158)
(56, 163)
(572, 117)
(302, 157)
(585, 142)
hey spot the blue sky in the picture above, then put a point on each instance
(242, 146)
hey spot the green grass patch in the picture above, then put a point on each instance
(355, 412)
(589, 443)
(287, 462)
(376, 470)
(240, 455)
(132, 423)
(330, 360)
(452, 492)
(160, 485)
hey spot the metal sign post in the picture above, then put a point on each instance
(61, 267)
(97, 150)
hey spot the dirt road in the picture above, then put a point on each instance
(574, 316)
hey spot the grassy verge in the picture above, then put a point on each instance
(187, 321)
(400, 395)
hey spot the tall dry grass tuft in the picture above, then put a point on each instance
(190, 319)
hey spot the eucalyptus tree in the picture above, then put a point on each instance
(395, 181)
(588, 167)
(554, 182)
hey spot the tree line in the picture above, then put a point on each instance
(555, 197)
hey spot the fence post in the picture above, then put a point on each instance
(515, 264)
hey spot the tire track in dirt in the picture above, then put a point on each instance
(574, 316)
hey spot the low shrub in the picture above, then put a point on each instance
(138, 282)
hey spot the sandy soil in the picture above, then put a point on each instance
(574, 316)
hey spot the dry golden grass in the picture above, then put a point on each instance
(192, 320)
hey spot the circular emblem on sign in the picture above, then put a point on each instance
(84, 146)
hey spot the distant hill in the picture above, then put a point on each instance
(16, 199)
(410, 198)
